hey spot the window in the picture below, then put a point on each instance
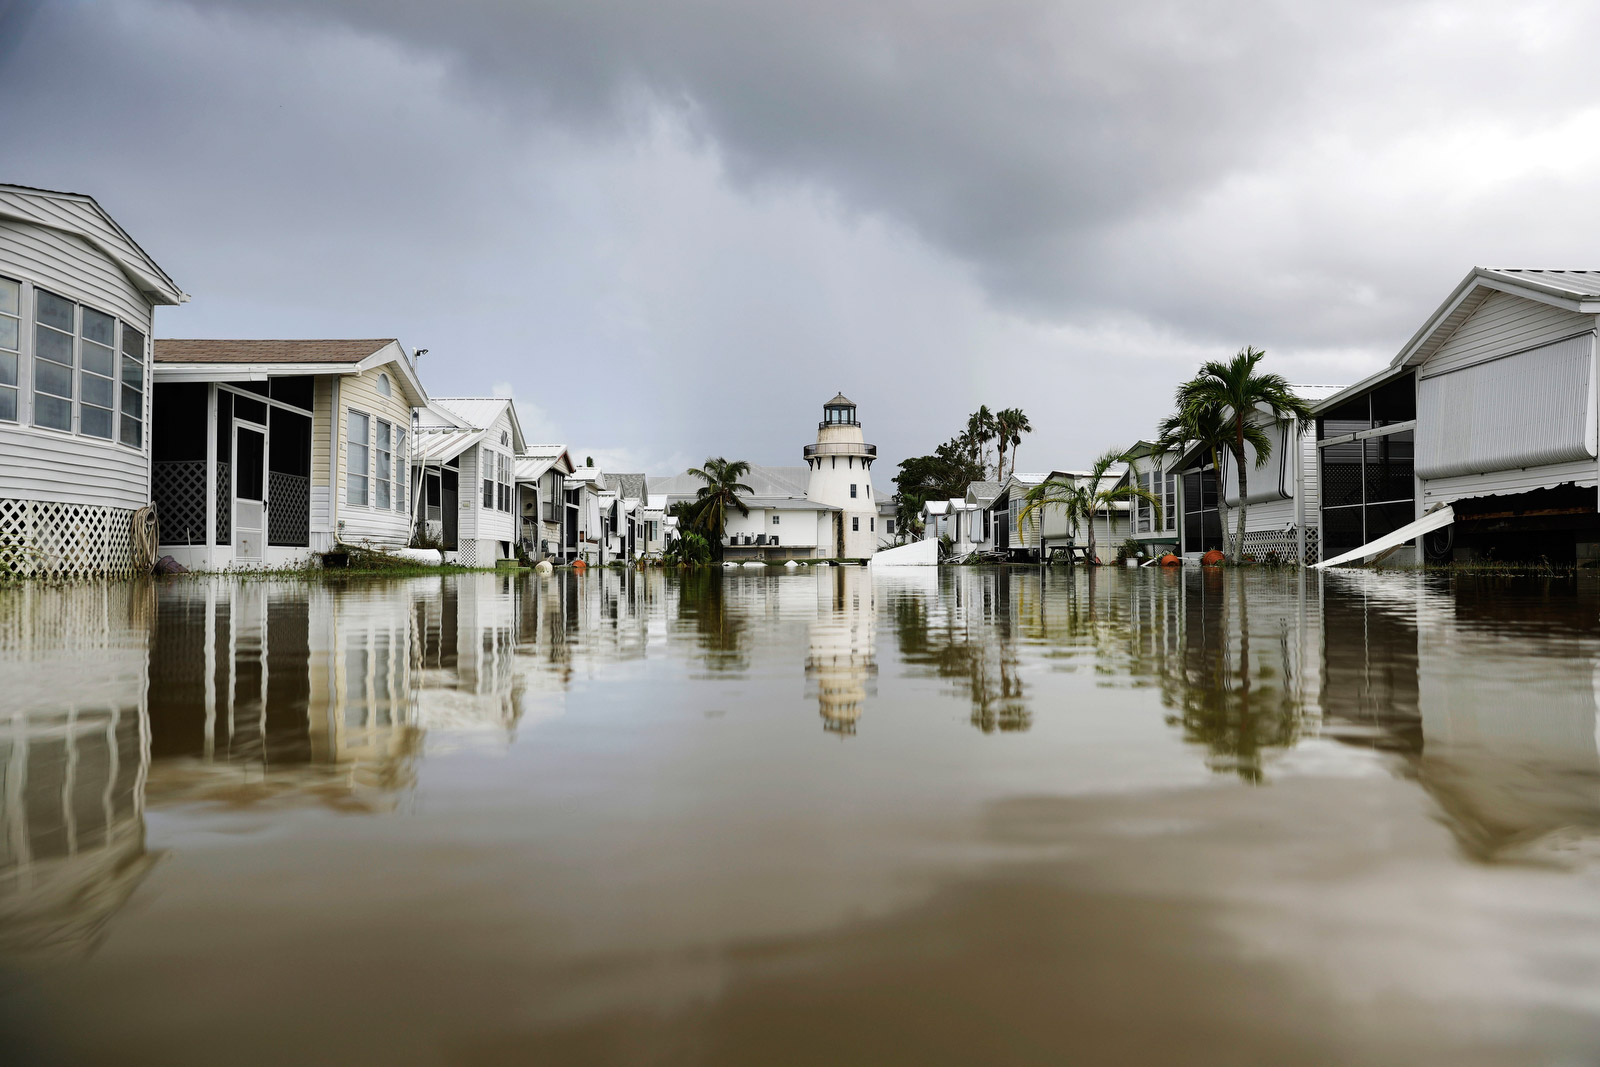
(402, 470)
(10, 345)
(869, 490)
(384, 388)
(775, 519)
(852, 490)
(52, 360)
(488, 478)
(1169, 503)
(385, 465)
(97, 372)
(888, 524)
(358, 459)
(872, 525)
(505, 438)
(132, 387)
(505, 483)
(855, 522)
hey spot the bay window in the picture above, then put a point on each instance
(97, 372)
(52, 360)
(10, 346)
(132, 387)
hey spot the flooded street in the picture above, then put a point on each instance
(979, 815)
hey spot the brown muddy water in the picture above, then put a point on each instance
(980, 816)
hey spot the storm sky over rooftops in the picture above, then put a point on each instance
(676, 229)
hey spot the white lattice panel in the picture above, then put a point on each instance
(1283, 542)
(49, 540)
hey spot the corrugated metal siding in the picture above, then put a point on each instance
(385, 526)
(1268, 482)
(1500, 483)
(1503, 324)
(1525, 410)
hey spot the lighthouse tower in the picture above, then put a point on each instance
(841, 476)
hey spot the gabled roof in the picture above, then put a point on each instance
(982, 492)
(629, 486)
(239, 350)
(256, 359)
(451, 425)
(1572, 290)
(535, 460)
(82, 216)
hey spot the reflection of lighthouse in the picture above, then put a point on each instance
(841, 477)
(840, 659)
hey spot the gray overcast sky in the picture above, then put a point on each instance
(674, 229)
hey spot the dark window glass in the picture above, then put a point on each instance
(1349, 417)
(1341, 474)
(249, 473)
(249, 410)
(1211, 530)
(297, 390)
(1208, 489)
(258, 388)
(1395, 402)
(1341, 531)
(1387, 518)
(1389, 466)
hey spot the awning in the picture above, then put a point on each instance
(1433, 520)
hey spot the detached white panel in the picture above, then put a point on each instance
(1270, 481)
(1524, 410)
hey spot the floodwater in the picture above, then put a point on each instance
(830, 816)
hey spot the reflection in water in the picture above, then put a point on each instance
(841, 657)
(1115, 712)
(73, 758)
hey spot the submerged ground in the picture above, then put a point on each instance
(1008, 816)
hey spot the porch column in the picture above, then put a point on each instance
(211, 474)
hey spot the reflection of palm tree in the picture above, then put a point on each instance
(976, 653)
(703, 604)
(1239, 712)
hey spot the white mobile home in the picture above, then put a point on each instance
(546, 533)
(1154, 529)
(266, 452)
(1490, 408)
(467, 449)
(77, 302)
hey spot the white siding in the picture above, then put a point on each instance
(1523, 410)
(1500, 483)
(1504, 324)
(53, 214)
(40, 464)
(366, 522)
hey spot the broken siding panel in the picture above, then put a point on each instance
(1503, 324)
(1500, 483)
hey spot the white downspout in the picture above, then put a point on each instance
(333, 462)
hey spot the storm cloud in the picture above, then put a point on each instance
(673, 229)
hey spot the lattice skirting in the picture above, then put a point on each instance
(1284, 543)
(178, 488)
(44, 539)
(467, 552)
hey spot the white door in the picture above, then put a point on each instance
(249, 492)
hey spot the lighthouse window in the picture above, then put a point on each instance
(855, 522)
(852, 490)
(775, 519)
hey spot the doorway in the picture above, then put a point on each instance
(249, 491)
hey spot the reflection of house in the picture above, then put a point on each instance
(268, 451)
(261, 689)
(73, 759)
(77, 300)
(467, 649)
(467, 449)
(841, 655)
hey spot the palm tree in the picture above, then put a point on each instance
(981, 429)
(1237, 390)
(1083, 500)
(718, 495)
(1191, 426)
(1009, 426)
